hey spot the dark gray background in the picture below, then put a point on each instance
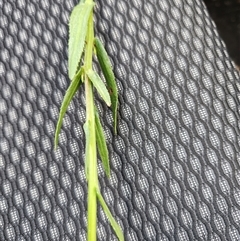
(226, 15)
(175, 161)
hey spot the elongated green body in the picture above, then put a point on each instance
(111, 219)
(101, 144)
(106, 67)
(77, 31)
(99, 85)
(81, 40)
(71, 91)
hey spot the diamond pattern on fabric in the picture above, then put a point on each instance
(175, 161)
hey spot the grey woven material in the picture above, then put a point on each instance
(175, 161)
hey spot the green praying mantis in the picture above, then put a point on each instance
(83, 45)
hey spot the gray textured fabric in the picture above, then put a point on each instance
(175, 161)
